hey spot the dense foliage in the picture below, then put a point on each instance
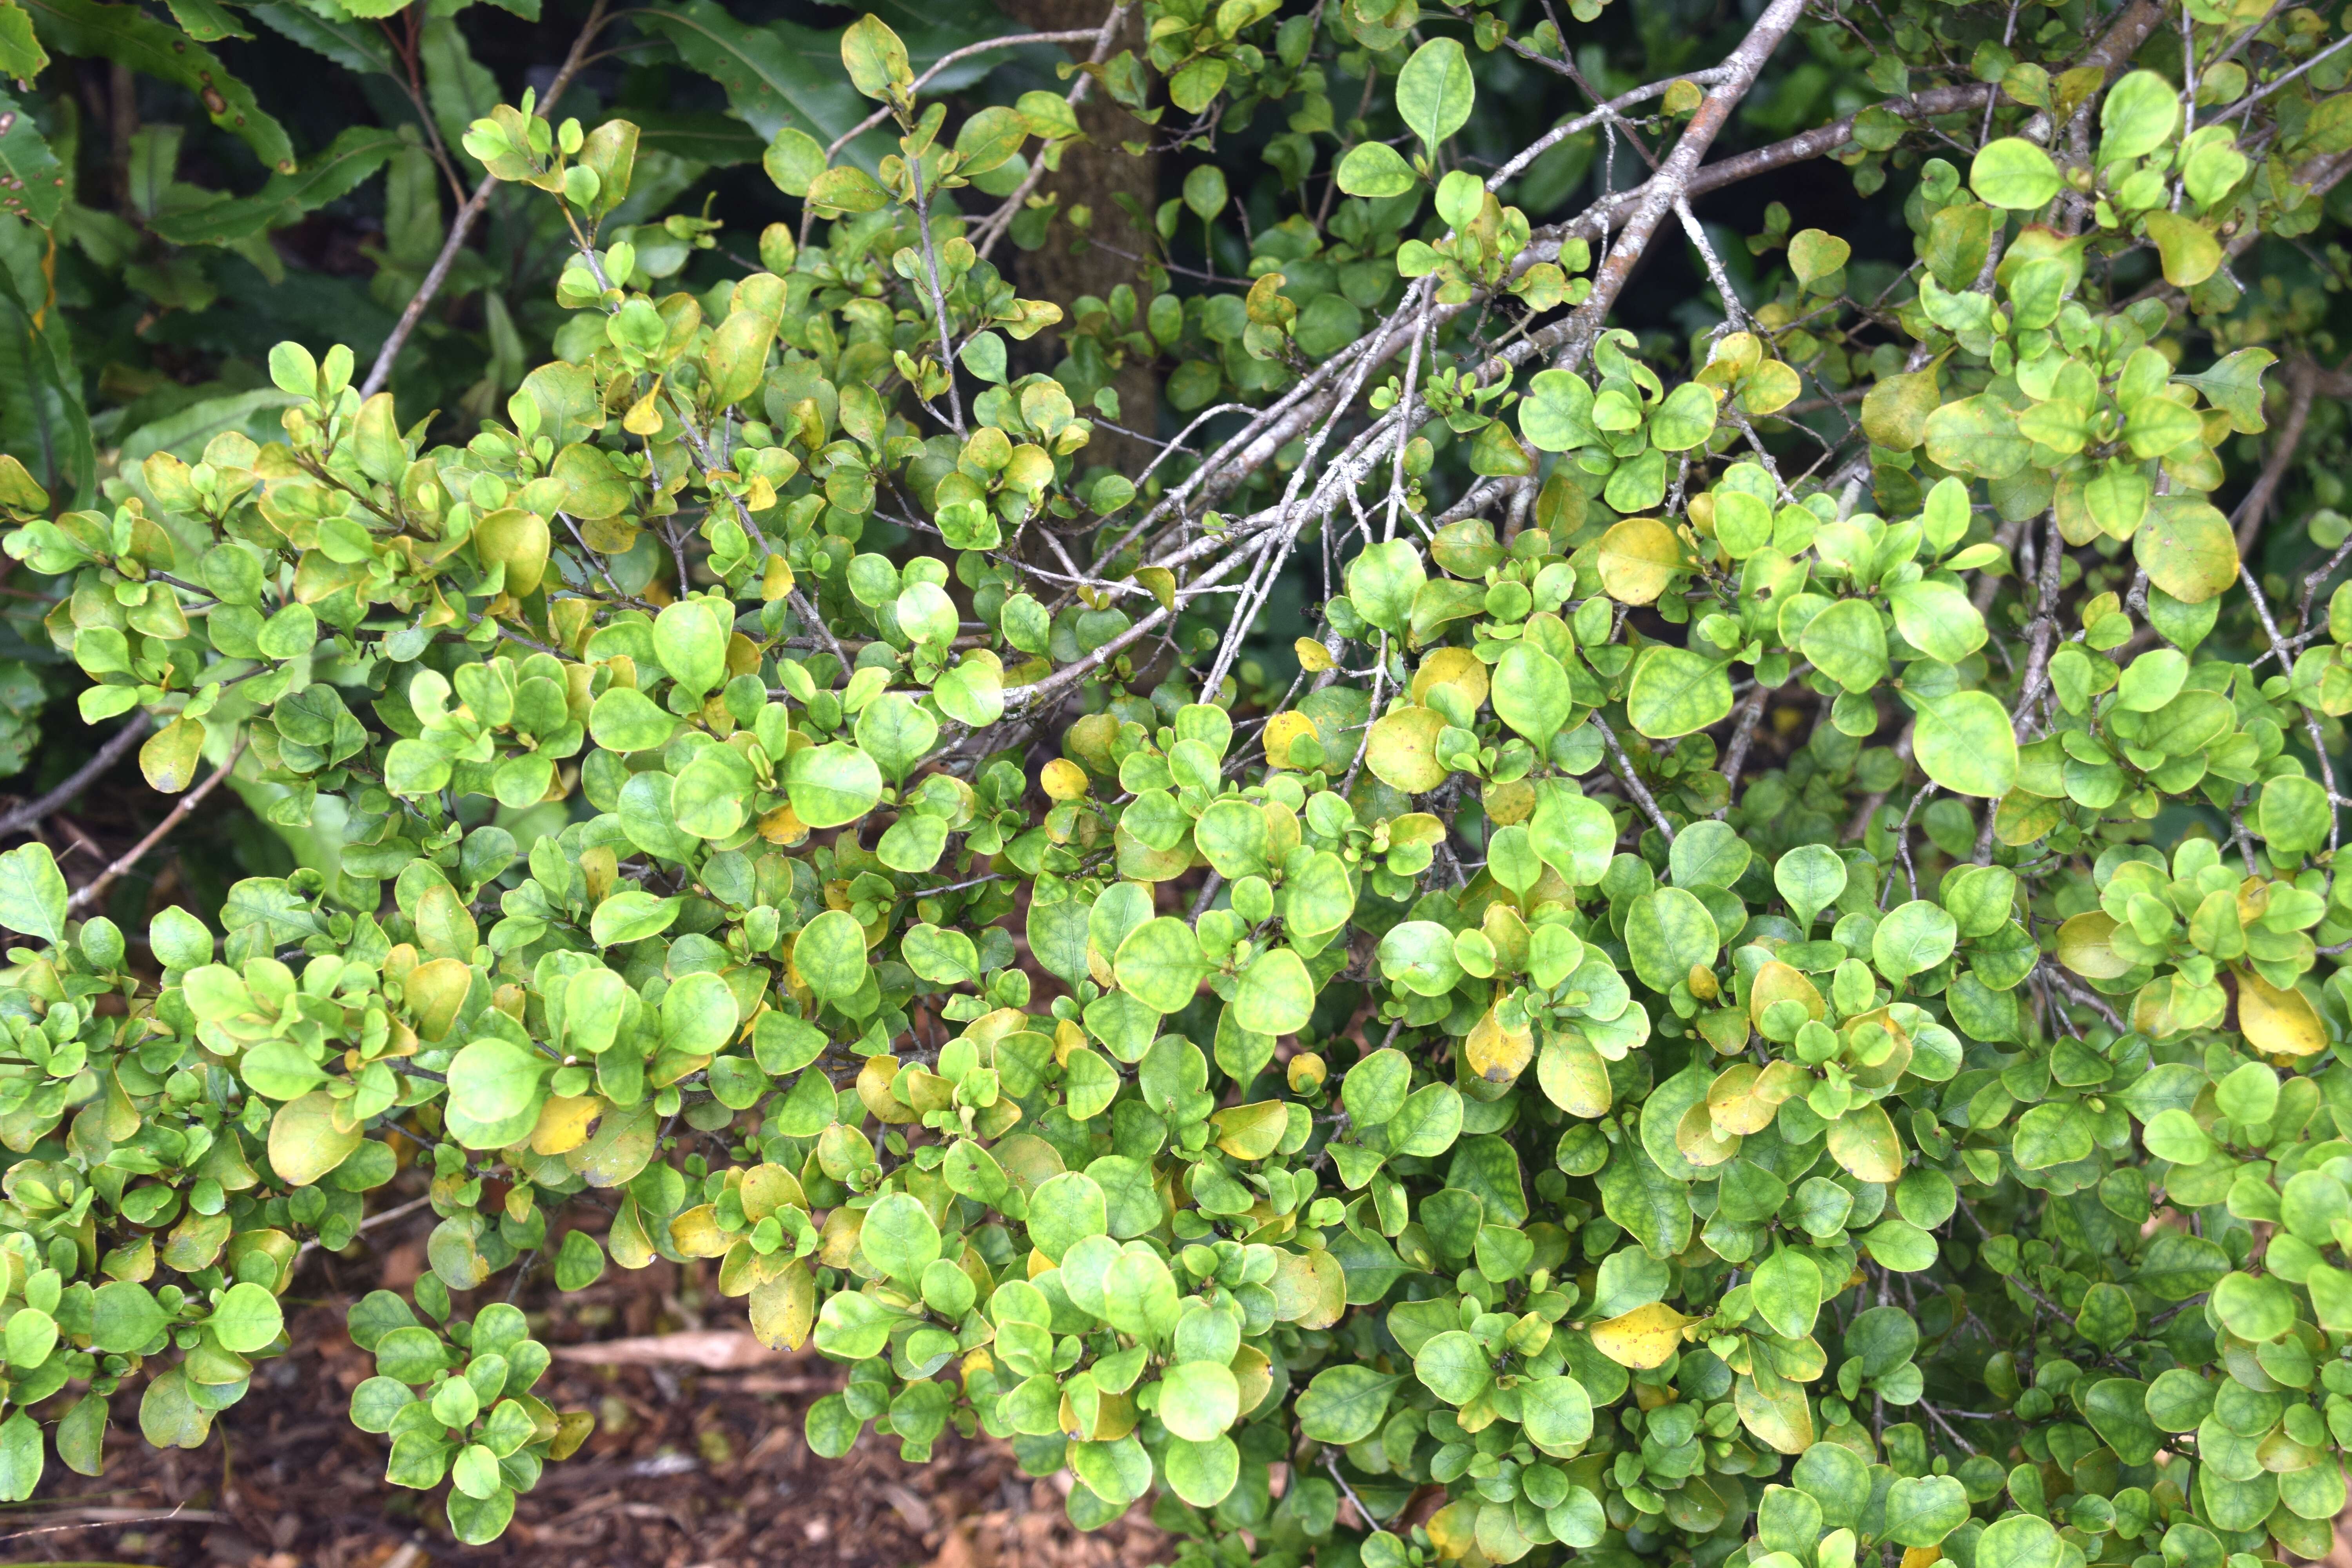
(1758, 998)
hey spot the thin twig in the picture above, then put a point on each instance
(109, 754)
(188, 802)
(381, 371)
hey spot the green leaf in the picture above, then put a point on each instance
(1914, 938)
(2013, 173)
(2256, 1307)
(1675, 692)
(1530, 694)
(1198, 1401)
(1375, 170)
(1965, 743)
(1787, 1290)
(32, 893)
(1810, 878)
(2140, 115)
(832, 785)
(2188, 250)
(626, 720)
(1161, 965)
(1668, 933)
(1275, 995)
(2187, 548)
(1847, 642)
(899, 1237)
(2019, 1541)
(1921, 1510)
(2117, 1410)
(829, 954)
(1453, 1366)
(21, 1459)
(1977, 436)
(247, 1319)
(631, 915)
(1683, 420)
(32, 182)
(1435, 92)
(130, 37)
(1557, 1414)
(126, 1318)
(1937, 619)
(1344, 1403)
(1383, 581)
(356, 153)
(493, 1079)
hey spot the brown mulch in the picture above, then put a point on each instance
(687, 1467)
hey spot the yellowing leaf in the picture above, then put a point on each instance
(1313, 656)
(1700, 1142)
(1642, 1338)
(2084, 948)
(1781, 1418)
(1573, 1075)
(1636, 559)
(1403, 750)
(1862, 1140)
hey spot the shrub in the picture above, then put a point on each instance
(1764, 1010)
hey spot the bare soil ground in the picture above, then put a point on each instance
(687, 1467)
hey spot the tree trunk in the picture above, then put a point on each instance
(1091, 172)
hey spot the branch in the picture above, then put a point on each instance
(2301, 383)
(188, 802)
(109, 754)
(381, 372)
(1671, 183)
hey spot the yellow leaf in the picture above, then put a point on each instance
(644, 418)
(1922, 1556)
(2084, 946)
(565, 1121)
(1313, 656)
(1453, 1529)
(1508, 803)
(783, 1309)
(1162, 582)
(1496, 1054)
(1280, 732)
(1642, 1338)
(1457, 668)
(169, 758)
(1062, 779)
(775, 579)
(695, 1233)
(1781, 1419)
(2282, 1023)
(784, 826)
(1735, 1105)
